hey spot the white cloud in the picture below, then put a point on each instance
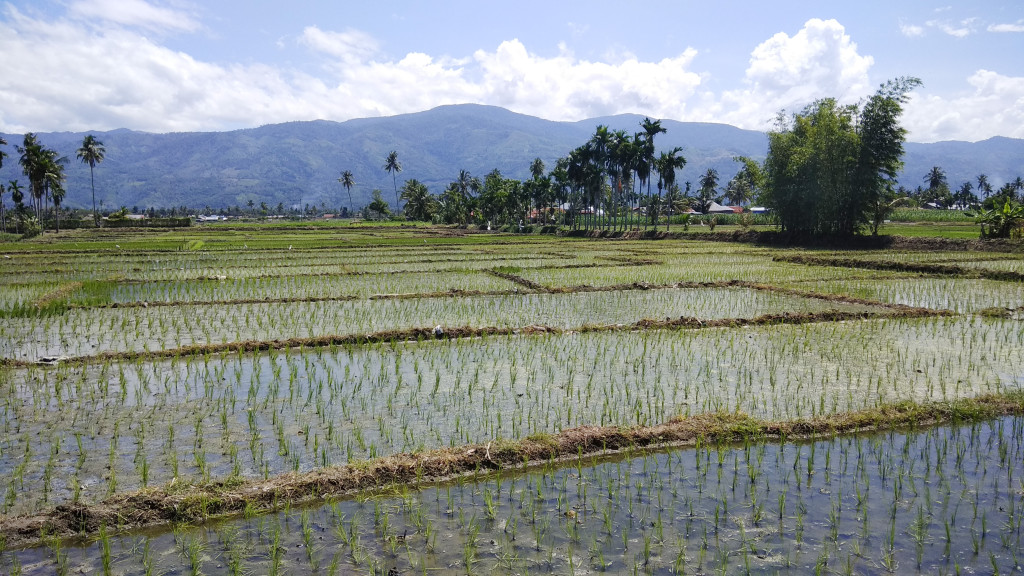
(351, 46)
(790, 72)
(911, 30)
(576, 89)
(960, 30)
(133, 13)
(121, 78)
(1018, 26)
(110, 75)
(995, 107)
(118, 78)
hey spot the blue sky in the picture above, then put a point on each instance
(179, 65)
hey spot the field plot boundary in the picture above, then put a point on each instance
(460, 332)
(923, 268)
(192, 503)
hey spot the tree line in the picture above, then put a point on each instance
(613, 181)
(44, 169)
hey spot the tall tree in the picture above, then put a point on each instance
(3, 213)
(92, 153)
(965, 197)
(829, 165)
(622, 154)
(348, 181)
(32, 165)
(538, 188)
(537, 168)
(651, 129)
(984, 188)
(54, 182)
(418, 202)
(938, 187)
(708, 191)
(393, 166)
(667, 164)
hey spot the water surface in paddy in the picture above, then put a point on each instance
(936, 501)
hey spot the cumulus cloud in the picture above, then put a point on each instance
(576, 89)
(788, 72)
(122, 78)
(119, 78)
(995, 107)
(103, 74)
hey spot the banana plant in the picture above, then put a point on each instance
(1005, 222)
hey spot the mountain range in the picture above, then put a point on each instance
(298, 163)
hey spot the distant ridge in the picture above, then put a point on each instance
(298, 163)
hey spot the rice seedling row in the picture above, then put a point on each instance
(939, 501)
(85, 431)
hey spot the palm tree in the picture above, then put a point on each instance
(651, 129)
(537, 168)
(935, 178)
(3, 211)
(3, 214)
(622, 155)
(708, 188)
(538, 186)
(31, 161)
(599, 152)
(17, 196)
(393, 167)
(92, 153)
(348, 182)
(667, 164)
(54, 182)
(418, 202)
(983, 186)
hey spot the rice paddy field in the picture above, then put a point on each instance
(165, 394)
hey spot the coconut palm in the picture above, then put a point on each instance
(651, 129)
(708, 189)
(3, 214)
(667, 164)
(936, 178)
(984, 188)
(348, 182)
(53, 182)
(393, 167)
(92, 153)
(622, 154)
(418, 202)
(31, 161)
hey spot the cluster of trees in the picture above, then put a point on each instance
(831, 169)
(44, 169)
(608, 182)
(967, 195)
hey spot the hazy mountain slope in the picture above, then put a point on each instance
(299, 162)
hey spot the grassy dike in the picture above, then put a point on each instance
(183, 502)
